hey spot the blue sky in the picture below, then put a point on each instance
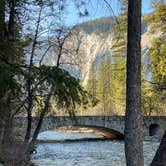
(97, 9)
(146, 6)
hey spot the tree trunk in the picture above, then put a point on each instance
(29, 118)
(29, 87)
(160, 156)
(2, 18)
(2, 89)
(39, 125)
(133, 118)
(8, 147)
(12, 22)
(7, 140)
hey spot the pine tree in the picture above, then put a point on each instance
(11, 55)
(157, 19)
(158, 62)
(119, 58)
(150, 99)
(92, 85)
(120, 28)
(157, 54)
(22, 83)
(104, 89)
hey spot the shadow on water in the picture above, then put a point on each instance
(79, 133)
(77, 140)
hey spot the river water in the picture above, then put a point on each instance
(85, 153)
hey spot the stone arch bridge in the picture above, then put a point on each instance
(153, 126)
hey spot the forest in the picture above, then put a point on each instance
(107, 83)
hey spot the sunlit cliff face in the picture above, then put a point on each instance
(80, 49)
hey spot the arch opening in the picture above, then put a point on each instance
(154, 129)
(78, 132)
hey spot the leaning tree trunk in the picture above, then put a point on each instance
(160, 156)
(39, 124)
(133, 118)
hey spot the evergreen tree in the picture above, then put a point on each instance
(119, 58)
(120, 36)
(157, 19)
(157, 22)
(92, 85)
(104, 89)
(118, 85)
(150, 98)
(11, 57)
(157, 54)
(158, 62)
(23, 82)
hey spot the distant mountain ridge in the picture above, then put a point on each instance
(98, 26)
(102, 25)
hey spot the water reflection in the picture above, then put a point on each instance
(48, 135)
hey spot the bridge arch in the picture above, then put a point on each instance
(99, 130)
(154, 129)
(104, 131)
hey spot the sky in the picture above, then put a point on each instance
(97, 9)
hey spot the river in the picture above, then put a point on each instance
(85, 153)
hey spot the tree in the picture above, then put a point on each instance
(11, 55)
(48, 81)
(92, 85)
(158, 62)
(157, 55)
(119, 58)
(133, 119)
(26, 81)
(150, 98)
(104, 89)
(157, 23)
(118, 82)
(157, 19)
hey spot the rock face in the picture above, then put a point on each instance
(90, 47)
(92, 41)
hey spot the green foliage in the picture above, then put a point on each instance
(158, 61)
(120, 29)
(152, 102)
(104, 89)
(26, 87)
(157, 55)
(119, 59)
(21, 82)
(66, 90)
(157, 19)
(92, 85)
(111, 73)
(11, 56)
(150, 99)
(158, 68)
(7, 81)
(154, 93)
(118, 85)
